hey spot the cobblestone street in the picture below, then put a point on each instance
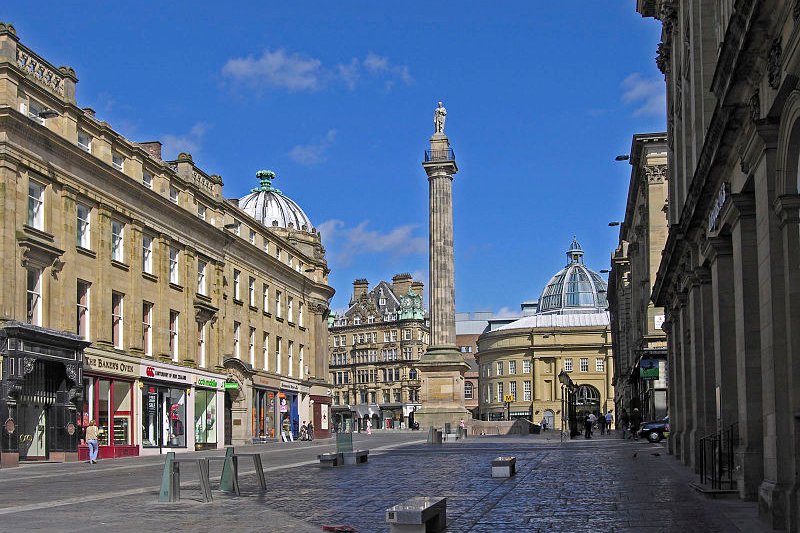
(581, 485)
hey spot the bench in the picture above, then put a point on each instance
(355, 457)
(504, 466)
(418, 515)
(329, 460)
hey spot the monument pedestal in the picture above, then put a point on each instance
(441, 392)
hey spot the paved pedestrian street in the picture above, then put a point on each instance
(580, 485)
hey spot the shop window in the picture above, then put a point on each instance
(36, 205)
(83, 235)
(205, 418)
(163, 417)
(109, 403)
(82, 310)
(174, 317)
(263, 413)
(116, 319)
(34, 296)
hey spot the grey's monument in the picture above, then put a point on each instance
(442, 366)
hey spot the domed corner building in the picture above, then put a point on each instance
(570, 332)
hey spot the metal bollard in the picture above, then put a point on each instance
(170, 480)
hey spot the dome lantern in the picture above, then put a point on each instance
(272, 208)
(575, 288)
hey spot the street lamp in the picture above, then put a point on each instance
(614, 223)
(566, 386)
(622, 157)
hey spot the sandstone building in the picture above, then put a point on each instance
(136, 294)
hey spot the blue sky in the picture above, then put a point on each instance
(338, 99)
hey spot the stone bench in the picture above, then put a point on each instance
(355, 457)
(329, 460)
(504, 466)
(418, 515)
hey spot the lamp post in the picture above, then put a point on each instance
(566, 388)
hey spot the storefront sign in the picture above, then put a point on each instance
(648, 369)
(110, 366)
(229, 385)
(293, 387)
(152, 401)
(719, 203)
(658, 321)
(165, 373)
(264, 381)
(204, 382)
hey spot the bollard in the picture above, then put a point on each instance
(205, 484)
(229, 481)
(170, 480)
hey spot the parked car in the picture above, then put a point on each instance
(655, 431)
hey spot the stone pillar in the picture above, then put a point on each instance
(678, 419)
(669, 329)
(442, 366)
(701, 360)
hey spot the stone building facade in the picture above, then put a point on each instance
(520, 362)
(640, 345)
(375, 346)
(134, 293)
(729, 279)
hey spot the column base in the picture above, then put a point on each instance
(751, 471)
(773, 504)
(439, 416)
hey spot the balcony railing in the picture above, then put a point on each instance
(715, 455)
(432, 156)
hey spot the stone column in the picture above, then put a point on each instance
(442, 366)
(678, 422)
(669, 329)
(701, 361)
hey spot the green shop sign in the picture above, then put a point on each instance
(231, 385)
(207, 382)
(648, 369)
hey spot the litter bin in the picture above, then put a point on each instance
(536, 429)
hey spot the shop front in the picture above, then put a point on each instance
(108, 398)
(289, 407)
(321, 415)
(165, 390)
(264, 411)
(42, 377)
(208, 392)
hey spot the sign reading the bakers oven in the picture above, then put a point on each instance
(165, 373)
(110, 366)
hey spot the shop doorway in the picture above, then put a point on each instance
(40, 390)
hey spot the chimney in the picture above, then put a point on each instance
(360, 287)
(153, 148)
(417, 287)
(401, 283)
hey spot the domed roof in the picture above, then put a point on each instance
(574, 289)
(270, 207)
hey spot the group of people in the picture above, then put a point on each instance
(630, 424)
(601, 420)
(306, 430)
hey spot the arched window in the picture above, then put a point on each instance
(587, 395)
(468, 390)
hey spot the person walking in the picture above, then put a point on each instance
(286, 426)
(623, 421)
(601, 423)
(636, 422)
(609, 420)
(369, 427)
(587, 426)
(310, 430)
(91, 440)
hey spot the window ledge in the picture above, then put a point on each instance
(238, 301)
(38, 233)
(203, 297)
(267, 314)
(253, 308)
(302, 328)
(279, 319)
(85, 251)
(290, 323)
(120, 265)
(176, 286)
(150, 277)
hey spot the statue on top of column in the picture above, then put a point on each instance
(439, 116)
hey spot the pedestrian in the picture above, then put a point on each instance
(636, 421)
(303, 431)
(601, 423)
(91, 440)
(462, 428)
(310, 430)
(623, 421)
(369, 427)
(587, 426)
(609, 420)
(286, 426)
(544, 424)
(593, 421)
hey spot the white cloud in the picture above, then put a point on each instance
(344, 244)
(506, 312)
(648, 96)
(314, 153)
(190, 142)
(296, 72)
(280, 69)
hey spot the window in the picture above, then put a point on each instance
(34, 110)
(34, 297)
(85, 141)
(567, 365)
(289, 365)
(394, 335)
(251, 292)
(236, 276)
(278, 253)
(302, 362)
(370, 319)
(468, 390)
(82, 314)
(237, 227)
(201, 344)
(278, 304)
(356, 320)
(117, 161)
(236, 328)
(266, 246)
(500, 392)
(36, 205)
(266, 351)
(512, 367)
(385, 336)
(382, 301)
(174, 317)
(251, 347)
(174, 272)
(499, 368)
(584, 364)
(300, 314)
(82, 236)
(489, 392)
(116, 319)
(290, 309)
(201, 211)
(147, 328)
(117, 242)
(512, 389)
(526, 366)
(290, 261)
(252, 237)
(201, 277)
(599, 365)
(147, 179)
(278, 362)
(147, 254)
(408, 353)
(406, 334)
(173, 194)
(526, 391)
(265, 297)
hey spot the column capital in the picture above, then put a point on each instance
(787, 207)
(737, 206)
(716, 247)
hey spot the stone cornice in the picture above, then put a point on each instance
(716, 247)
(732, 45)
(787, 207)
